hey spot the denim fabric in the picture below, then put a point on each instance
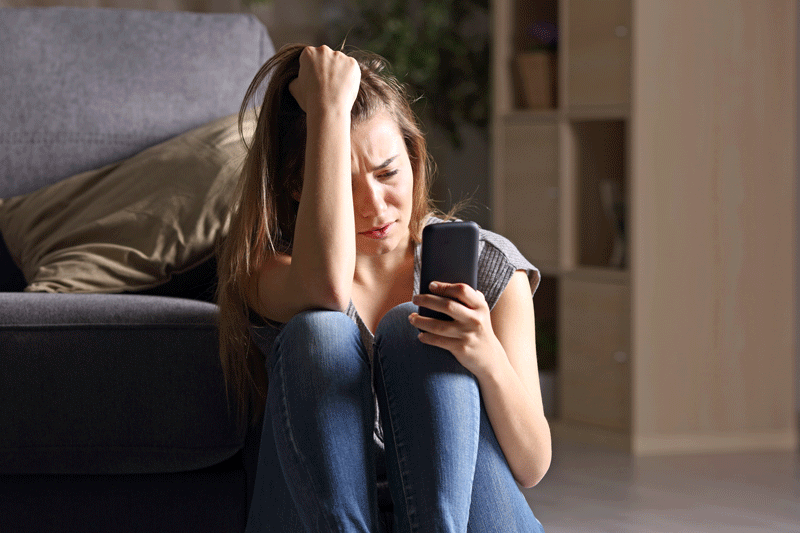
(317, 459)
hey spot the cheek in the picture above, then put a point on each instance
(404, 196)
(408, 185)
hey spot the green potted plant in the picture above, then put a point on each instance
(439, 48)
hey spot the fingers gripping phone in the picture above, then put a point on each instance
(450, 255)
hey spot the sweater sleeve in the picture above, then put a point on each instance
(498, 261)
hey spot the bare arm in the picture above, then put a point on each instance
(319, 274)
(499, 348)
(511, 392)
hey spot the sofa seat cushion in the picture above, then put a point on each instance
(111, 384)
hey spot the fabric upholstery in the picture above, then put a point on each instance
(111, 384)
(132, 224)
(83, 88)
(11, 278)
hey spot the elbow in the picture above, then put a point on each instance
(329, 288)
(330, 296)
(335, 303)
(530, 480)
(534, 470)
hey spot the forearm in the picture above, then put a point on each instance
(517, 417)
(323, 255)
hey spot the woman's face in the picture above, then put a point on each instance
(383, 185)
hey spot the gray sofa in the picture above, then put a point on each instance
(113, 413)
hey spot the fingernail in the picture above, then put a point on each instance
(434, 285)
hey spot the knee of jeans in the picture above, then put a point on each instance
(395, 324)
(395, 337)
(324, 335)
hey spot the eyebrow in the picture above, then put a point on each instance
(384, 164)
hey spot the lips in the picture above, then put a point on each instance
(378, 232)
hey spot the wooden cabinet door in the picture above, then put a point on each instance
(598, 53)
(529, 189)
(594, 358)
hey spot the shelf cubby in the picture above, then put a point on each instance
(600, 167)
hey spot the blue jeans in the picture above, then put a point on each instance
(316, 471)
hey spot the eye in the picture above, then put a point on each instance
(389, 173)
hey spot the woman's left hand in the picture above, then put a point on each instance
(469, 337)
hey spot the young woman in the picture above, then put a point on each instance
(369, 424)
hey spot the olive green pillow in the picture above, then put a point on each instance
(130, 225)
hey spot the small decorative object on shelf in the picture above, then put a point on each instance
(535, 67)
(613, 202)
(537, 71)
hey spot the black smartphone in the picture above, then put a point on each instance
(450, 255)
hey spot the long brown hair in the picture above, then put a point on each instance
(263, 219)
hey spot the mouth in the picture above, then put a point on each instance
(378, 232)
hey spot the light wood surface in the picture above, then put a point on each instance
(598, 53)
(595, 353)
(713, 148)
(531, 186)
(689, 105)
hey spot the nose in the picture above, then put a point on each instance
(368, 199)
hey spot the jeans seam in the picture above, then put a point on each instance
(412, 526)
(298, 454)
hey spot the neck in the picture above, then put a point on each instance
(373, 268)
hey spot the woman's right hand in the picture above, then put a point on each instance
(327, 80)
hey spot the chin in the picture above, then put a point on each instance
(378, 247)
(382, 246)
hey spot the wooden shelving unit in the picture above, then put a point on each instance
(657, 197)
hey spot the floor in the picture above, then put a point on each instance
(591, 490)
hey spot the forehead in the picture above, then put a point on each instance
(377, 136)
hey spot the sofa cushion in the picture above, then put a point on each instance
(130, 225)
(111, 384)
(11, 278)
(82, 88)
